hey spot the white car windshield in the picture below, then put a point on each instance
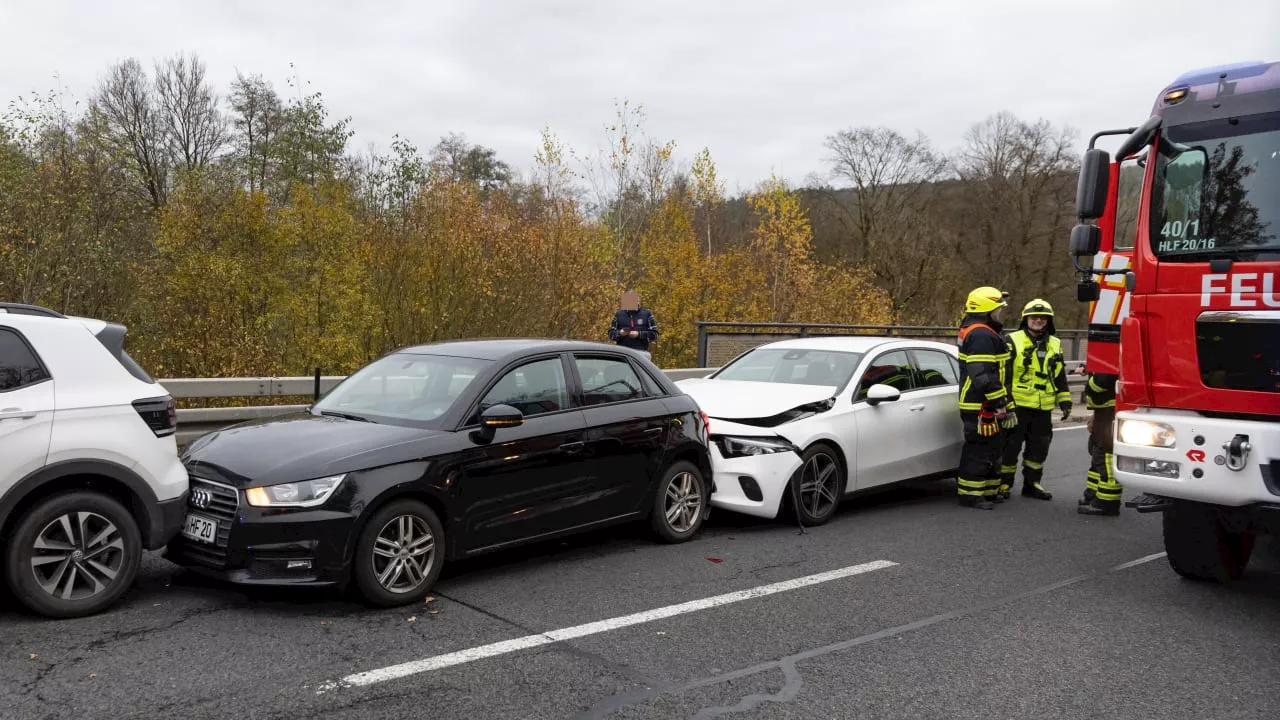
(795, 366)
(404, 387)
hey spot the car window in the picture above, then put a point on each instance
(403, 387)
(797, 366)
(651, 386)
(19, 366)
(892, 369)
(933, 369)
(607, 380)
(533, 388)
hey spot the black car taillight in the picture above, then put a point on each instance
(160, 414)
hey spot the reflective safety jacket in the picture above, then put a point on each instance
(1037, 371)
(984, 357)
(1100, 392)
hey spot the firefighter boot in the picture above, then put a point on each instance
(1100, 507)
(976, 501)
(1035, 490)
(1007, 473)
(1087, 499)
(1032, 471)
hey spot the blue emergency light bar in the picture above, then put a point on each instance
(1235, 71)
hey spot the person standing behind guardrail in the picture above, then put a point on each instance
(633, 326)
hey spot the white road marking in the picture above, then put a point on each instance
(523, 643)
(1139, 561)
(1064, 428)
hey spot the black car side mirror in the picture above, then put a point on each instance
(1092, 188)
(494, 417)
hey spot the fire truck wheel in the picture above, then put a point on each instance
(1201, 547)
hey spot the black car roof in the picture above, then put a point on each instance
(502, 348)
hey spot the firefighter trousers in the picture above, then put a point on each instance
(979, 476)
(1101, 486)
(1034, 431)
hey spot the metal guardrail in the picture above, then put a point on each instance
(1071, 339)
(195, 422)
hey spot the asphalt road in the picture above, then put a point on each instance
(1028, 610)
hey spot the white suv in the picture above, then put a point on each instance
(89, 468)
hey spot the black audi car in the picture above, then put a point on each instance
(445, 451)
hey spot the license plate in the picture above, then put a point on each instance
(201, 528)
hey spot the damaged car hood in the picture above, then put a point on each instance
(745, 400)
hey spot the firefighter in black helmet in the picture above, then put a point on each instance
(1038, 377)
(984, 397)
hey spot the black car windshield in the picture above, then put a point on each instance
(1216, 189)
(402, 388)
(796, 366)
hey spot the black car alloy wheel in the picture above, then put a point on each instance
(681, 502)
(400, 553)
(73, 554)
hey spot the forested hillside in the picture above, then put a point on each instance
(238, 232)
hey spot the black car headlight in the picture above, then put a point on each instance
(307, 493)
(732, 447)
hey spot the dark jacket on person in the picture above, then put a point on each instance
(640, 319)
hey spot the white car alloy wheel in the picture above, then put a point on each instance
(77, 555)
(819, 484)
(819, 481)
(73, 554)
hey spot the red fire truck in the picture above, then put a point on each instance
(1183, 229)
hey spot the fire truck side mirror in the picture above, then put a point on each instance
(1085, 240)
(1095, 178)
(1087, 291)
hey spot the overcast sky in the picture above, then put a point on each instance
(760, 83)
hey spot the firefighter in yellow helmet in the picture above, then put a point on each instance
(1038, 376)
(984, 397)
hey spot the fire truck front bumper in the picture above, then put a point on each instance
(1184, 455)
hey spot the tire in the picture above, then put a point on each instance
(682, 492)
(1200, 547)
(815, 507)
(390, 524)
(94, 563)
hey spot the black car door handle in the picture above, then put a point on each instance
(653, 431)
(573, 447)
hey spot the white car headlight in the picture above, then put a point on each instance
(308, 493)
(1146, 433)
(732, 447)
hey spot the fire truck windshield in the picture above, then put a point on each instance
(1216, 190)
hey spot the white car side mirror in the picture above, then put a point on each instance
(882, 393)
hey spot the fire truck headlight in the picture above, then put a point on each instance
(1146, 433)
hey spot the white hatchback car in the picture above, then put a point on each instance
(802, 423)
(90, 474)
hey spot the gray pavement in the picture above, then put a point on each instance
(1024, 611)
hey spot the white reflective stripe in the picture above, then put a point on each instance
(1106, 307)
(1124, 309)
(1116, 262)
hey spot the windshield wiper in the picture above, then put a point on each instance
(344, 416)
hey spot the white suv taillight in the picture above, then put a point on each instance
(160, 414)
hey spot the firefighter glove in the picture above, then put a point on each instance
(1010, 421)
(1065, 405)
(987, 424)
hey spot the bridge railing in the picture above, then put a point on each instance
(194, 422)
